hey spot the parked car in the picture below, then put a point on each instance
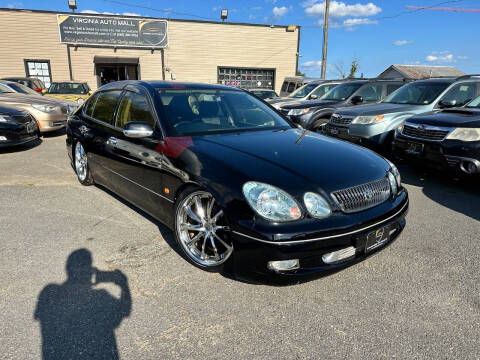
(11, 86)
(314, 114)
(311, 91)
(235, 181)
(77, 91)
(263, 93)
(448, 140)
(50, 114)
(32, 83)
(290, 84)
(374, 125)
(16, 127)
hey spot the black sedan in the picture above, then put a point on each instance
(16, 127)
(446, 140)
(235, 180)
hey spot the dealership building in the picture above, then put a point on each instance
(98, 49)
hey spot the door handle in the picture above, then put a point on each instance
(112, 140)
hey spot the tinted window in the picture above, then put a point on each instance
(22, 89)
(303, 91)
(134, 107)
(417, 93)
(370, 92)
(291, 87)
(90, 104)
(322, 90)
(341, 92)
(5, 89)
(392, 87)
(461, 93)
(105, 105)
(68, 88)
(199, 111)
(284, 86)
(475, 103)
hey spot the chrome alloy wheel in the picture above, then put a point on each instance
(80, 161)
(202, 230)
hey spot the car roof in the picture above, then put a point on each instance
(450, 80)
(69, 82)
(19, 78)
(261, 89)
(165, 85)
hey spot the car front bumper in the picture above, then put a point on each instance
(17, 134)
(447, 155)
(254, 252)
(373, 135)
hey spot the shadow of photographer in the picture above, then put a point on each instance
(78, 321)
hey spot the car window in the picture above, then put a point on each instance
(68, 88)
(134, 107)
(22, 89)
(5, 89)
(284, 86)
(475, 103)
(461, 93)
(341, 92)
(417, 93)
(264, 94)
(200, 111)
(302, 91)
(291, 87)
(392, 87)
(90, 104)
(322, 90)
(105, 105)
(370, 92)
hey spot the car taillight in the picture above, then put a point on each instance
(38, 89)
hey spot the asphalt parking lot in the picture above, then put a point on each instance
(417, 298)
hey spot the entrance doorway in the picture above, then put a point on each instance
(109, 69)
(115, 72)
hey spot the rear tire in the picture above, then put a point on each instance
(80, 163)
(318, 124)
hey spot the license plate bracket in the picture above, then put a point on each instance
(377, 238)
(414, 148)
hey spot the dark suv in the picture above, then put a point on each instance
(313, 114)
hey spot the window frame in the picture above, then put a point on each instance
(455, 85)
(149, 103)
(27, 70)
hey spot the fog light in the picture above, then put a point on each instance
(469, 167)
(3, 138)
(339, 255)
(284, 265)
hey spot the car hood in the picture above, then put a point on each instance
(16, 98)
(278, 100)
(310, 103)
(381, 108)
(70, 97)
(289, 158)
(461, 117)
(7, 110)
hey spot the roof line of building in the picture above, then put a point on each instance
(147, 17)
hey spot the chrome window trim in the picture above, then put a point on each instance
(293, 242)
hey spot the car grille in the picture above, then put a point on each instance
(341, 120)
(362, 197)
(23, 119)
(425, 132)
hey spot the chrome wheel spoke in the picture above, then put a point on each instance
(210, 207)
(193, 240)
(194, 216)
(202, 256)
(217, 215)
(199, 207)
(190, 227)
(228, 247)
(217, 257)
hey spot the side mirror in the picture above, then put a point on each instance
(137, 129)
(442, 104)
(313, 97)
(356, 100)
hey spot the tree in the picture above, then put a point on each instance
(299, 73)
(340, 68)
(353, 68)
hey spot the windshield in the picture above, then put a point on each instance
(422, 93)
(22, 89)
(264, 94)
(5, 89)
(203, 111)
(302, 91)
(68, 88)
(475, 103)
(341, 92)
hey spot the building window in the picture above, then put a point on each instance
(246, 78)
(39, 69)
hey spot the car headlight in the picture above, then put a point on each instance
(80, 101)
(316, 205)
(6, 119)
(271, 202)
(400, 128)
(371, 119)
(465, 134)
(71, 109)
(393, 183)
(45, 108)
(395, 173)
(298, 112)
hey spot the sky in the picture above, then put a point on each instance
(377, 33)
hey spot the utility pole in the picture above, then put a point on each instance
(325, 38)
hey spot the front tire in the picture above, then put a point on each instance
(201, 230)
(319, 124)
(80, 161)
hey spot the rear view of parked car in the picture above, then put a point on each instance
(314, 114)
(447, 140)
(16, 127)
(76, 91)
(374, 125)
(35, 84)
(263, 94)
